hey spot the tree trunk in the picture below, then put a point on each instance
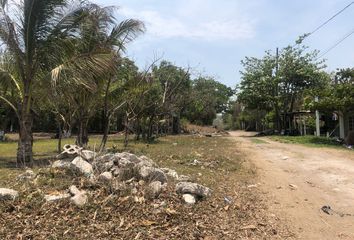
(82, 137)
(106, 123)
(126, 131)
(137, 129)
(25, 143)
(60, 135)
(150, 128)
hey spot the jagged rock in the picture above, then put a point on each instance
(27, 175)
(80, 199)
(104, 163)
(80, 165)
(128, 156)
(125, 174)
(147, 161)
(87, 155)
(150, 174)
(105, 177)
(115, 171)
(193, 188)
(57, 197)
(74, 190)
(153, 190)
(61, 164)
(125, 163)
(189, 198)
(119, 187)
(184, 178)
(8, 194)
(170, 173)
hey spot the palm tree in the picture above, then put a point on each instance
(40, 37)
(104, 40)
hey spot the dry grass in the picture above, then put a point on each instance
(107, 216)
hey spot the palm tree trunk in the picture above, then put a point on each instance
(82, 137)
(106, 123)
(126, 131)
(25, 143)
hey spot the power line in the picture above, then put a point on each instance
(337, 43)
(324, 24)
(330, 19)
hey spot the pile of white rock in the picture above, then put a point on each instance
(117, 169)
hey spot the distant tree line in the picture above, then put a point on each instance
(273, 88)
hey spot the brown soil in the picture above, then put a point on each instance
(300, 180)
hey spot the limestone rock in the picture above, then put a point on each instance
(104, 163)
(125, 163)
(61, 164)
(80, 199)
(57, 197)
(150, 174)
(74, 190)
(184, 178)
(128, 156)
(189, 198)
(147, 161)
(80, 165)
(105, 177)
(27, 175)
(170, 173)
(8, 194)
(87, 155)
(153, 190)
(193, 188)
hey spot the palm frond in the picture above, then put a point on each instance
(125, 32)
(85, 70)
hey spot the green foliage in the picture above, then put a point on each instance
(277, 83)
(208, 98)
(337, 94)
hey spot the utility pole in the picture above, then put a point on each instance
(318, 133)
(277, 115)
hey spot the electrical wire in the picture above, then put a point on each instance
(330, 19)
(337, 43)
(325, 23)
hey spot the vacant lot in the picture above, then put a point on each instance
(220, 166)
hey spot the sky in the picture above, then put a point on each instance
(213, 36)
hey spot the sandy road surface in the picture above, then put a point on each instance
(299, 180)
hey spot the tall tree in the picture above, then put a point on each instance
(57, 39)
(208, 97)
(277, 83)
(31, 33)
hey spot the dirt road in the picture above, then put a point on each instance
(300, 180)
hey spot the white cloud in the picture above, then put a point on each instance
(194, 27)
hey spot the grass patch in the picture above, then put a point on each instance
(258, 141)
(176, 152)
(308, 140)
